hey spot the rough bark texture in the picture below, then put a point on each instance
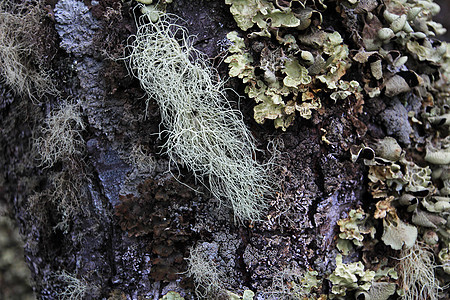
(129, 233)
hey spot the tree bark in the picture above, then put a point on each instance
(128, 230)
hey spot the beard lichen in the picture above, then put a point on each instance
(417, 277)
(18, 45)
(61, 138)
(204, 133)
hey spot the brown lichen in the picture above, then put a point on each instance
(163, 214)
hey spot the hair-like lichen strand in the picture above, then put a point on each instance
(203, 131)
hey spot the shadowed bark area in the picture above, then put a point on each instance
(116, 219)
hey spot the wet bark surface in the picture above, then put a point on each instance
(130, 232)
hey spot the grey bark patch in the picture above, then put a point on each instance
(76, 27)
(395, 120)
(110, 168)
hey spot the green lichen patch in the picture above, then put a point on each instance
(353, 277)
(349, 277)
(292, 80)
(294, 283)
(398, 234)
(288, 63)
(352, 230)
(172, 295)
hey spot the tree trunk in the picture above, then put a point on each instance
(114, 218)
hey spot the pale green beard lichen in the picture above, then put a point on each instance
(204, 132)
(207, 277)
(417, 274)
(61, 138)
(16, 67)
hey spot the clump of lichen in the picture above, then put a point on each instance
(294, 283)
(347, 277)
(203, 132)
(286, 79)
(353, 277)
(418, 279)
(74, 287)
(291, 62)
(398, 184)
(18, 48)
(352, 230)
(61, 138)
(207, 277)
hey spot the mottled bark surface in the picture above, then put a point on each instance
(131, 228)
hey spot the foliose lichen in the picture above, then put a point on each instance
(348, 277)
(352, 230)
(368, 283)
(292, 74)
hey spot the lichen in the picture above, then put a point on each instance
(349, 277)
(205, 273)
(61, 138)
(352, 230)
(172, 295)
(398, 234)
(204, 132)
(21, 62)
(293, 283)
(417, 273)
(293, 70)
(247, 295)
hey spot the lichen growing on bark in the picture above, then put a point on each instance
(203, 131)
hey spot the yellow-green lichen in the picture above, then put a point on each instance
(352, 229)
(172, 295)
(293, 283)
(296, 74)
(366, 284)
(349, 277)
(291, 78)
(293, 62)
(247, 295)
(398, 234)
